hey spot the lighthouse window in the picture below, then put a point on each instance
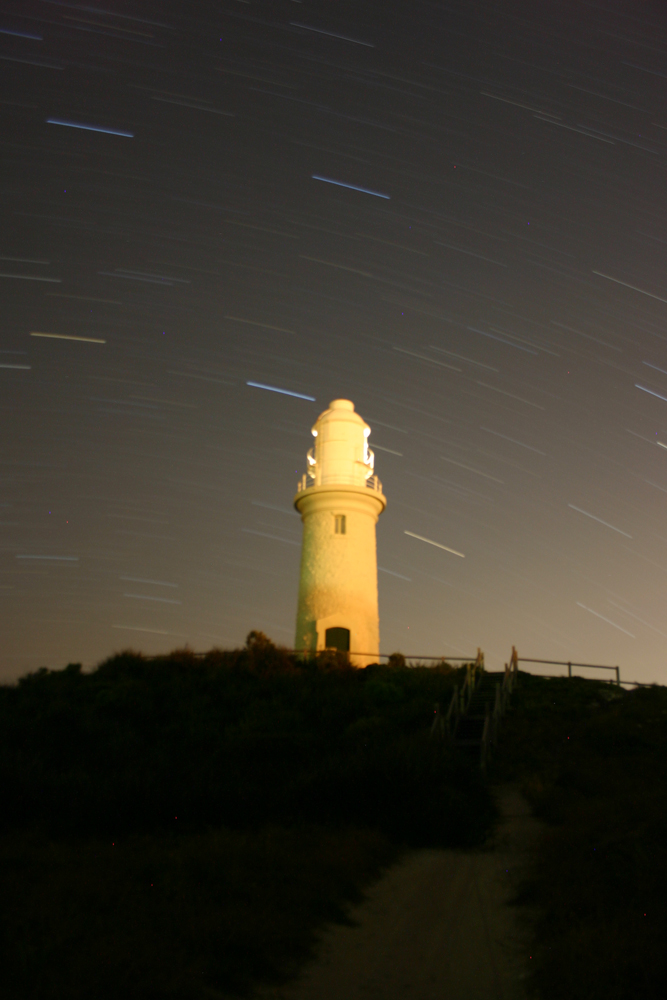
(340, 524)
(338, 638)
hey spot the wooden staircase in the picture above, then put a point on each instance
(472, 721)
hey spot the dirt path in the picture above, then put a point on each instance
(438, 924)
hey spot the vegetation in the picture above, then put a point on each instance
(182, 826)
(592, 760)
(173, 916)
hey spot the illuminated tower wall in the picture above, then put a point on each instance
(340, 500)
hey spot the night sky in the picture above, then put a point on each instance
(452, 214)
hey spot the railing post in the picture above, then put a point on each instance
(618, 675)
(569, 669)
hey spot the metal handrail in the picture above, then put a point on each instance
(372, 483)
(570, 663)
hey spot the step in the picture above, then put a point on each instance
(469, 735)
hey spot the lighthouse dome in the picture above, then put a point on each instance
(341, 453)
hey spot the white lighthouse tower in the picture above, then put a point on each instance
(340, 500)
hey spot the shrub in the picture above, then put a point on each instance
(593, 761)
(238, 739)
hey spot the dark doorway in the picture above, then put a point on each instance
(338, 638)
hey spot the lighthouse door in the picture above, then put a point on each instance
(338, 638)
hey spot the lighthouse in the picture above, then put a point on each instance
(339, 499)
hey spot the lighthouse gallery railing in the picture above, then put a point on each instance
(372, 483)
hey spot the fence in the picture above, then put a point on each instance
(445, 725)
(515, 659)
(592, 666)
(405, 658)
(493, 717)
(569, 664)
(479, 690)
(478, 662)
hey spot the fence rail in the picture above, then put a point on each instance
(593, 666)
(381, 656)
(478, 660)
(387, 656)
(570, 663)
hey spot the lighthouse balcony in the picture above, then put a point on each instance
(306, 482)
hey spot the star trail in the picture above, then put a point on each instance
(452, 214)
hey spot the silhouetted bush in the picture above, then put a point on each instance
(238, 739)
(593, 761)
(173, 917)
(179, 828)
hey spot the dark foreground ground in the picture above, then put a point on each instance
(440, 923)
(184, 828)
(592, 760)
(181, 828)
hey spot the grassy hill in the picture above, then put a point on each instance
(181, 826)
